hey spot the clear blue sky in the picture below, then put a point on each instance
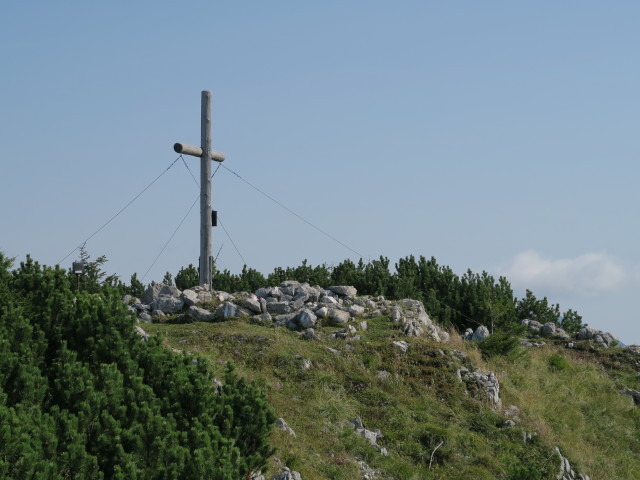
(500, 136)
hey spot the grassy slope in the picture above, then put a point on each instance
(567, 397)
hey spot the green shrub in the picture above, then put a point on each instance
(81, 396)
(558, 363)
(504, 344)
(526, 472)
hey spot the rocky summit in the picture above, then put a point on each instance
(294, 305)
(370, 388)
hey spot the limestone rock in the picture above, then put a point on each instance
(142, 333)
(370, 436)
(313, 294)
(368, 473)
(329, 300)
(338, 316)
(310, 334)
(306, 319)
(305, 363)
(200, 314)
(587, 333)
(226, 310)
(487, 383)
(152, 293)
(284, 319)
(140, 307)
(480, 334)
(287, 475)
(189, 297)
(412, 304)
(548, 329)
(634, 348)
(252, 304)
(204, 294)
(282, 425)
(263, 318)
(344, 290)
(412, 329)
(566, 472)
(167, 303)
(279, 308)
(532, 326)
(401, 345)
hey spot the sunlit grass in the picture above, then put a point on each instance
(566, 397)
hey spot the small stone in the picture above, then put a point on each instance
(279, 308)
(329, 300)
(227, 310)
(200, 314)
(282, 425)
(167, 304)
(338, 316)
(305, 364)
(548, 329)
(401, 345)
(142, 333)
(345, 291)
(306, 319)
(252, 304)
(310, 334)
(189, 297)
(480, 334)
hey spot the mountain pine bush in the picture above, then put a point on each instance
(82, 397)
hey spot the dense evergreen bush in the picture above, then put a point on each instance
(460, 301)
(82, 397)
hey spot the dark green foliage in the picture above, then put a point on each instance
(503, 343)
(168, 279)
(187, 277)
(571, 321)
(531, 308)
(463, 302)
(248, 281)
(540, 310)
(526, 472)
(82, 397)
(558, 363)
(136, 289)
(94, 278)
(319, 275)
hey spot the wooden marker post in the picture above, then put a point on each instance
(206, 155)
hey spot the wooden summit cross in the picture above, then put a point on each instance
(207, 216)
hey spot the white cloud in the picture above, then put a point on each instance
(589, 274)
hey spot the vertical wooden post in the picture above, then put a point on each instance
(206, 156)
(205, 191)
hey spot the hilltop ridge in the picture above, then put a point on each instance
(366, 387)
